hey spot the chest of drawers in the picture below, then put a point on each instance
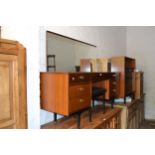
(65, 93)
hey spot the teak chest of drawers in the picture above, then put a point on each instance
(66, 93)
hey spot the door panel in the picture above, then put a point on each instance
(9, 102)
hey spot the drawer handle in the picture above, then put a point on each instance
(114, 90)
(81, 77)
(100, 74)
(114, 83)
(81, 100)
(73, 78)
(81, 89)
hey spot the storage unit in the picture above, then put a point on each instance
(13, 113)
(138, 85)
(126, 67)
(132, 114)
(111, 119)
(135, 114)
(65, 93)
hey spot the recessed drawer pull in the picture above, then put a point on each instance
(81, 100)
(73, 78)
(114, 83)
(81, 77)
(114, 90)
(81, 89)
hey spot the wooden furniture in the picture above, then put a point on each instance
(88, 65)
(95, 65)
(132, 114)
(135, 114)
(111, 119)
(126, 67)
(13, 113)
(66, 93)
(138, 85)
(102, 65)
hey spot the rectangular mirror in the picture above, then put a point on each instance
(65, 53)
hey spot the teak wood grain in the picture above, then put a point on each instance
(126, 67)
(138, 85)
(65, 93)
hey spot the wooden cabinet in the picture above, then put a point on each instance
(65, 93)
(138, 85)
(135, 114)
(13, 112)
(126, 67)
(112, 121)
(108, 120)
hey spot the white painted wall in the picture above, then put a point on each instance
(141, 45)
(29, 37)
(110, 41)
(68, 52)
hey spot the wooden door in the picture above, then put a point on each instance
(9, 97)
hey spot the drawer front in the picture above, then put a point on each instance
(114, 92)
(80, 103)
(114, 87)
(77, 78)
(100, 76)
(77, 91)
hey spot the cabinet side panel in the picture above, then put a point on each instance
(54, 92)
(117, 65)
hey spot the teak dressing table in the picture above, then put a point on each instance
(66, 93)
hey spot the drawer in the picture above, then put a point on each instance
(77, 104)
(100, 76)
(113, 92)
(114, 84)
(77, 78)
(114, 76)
(79, 90)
